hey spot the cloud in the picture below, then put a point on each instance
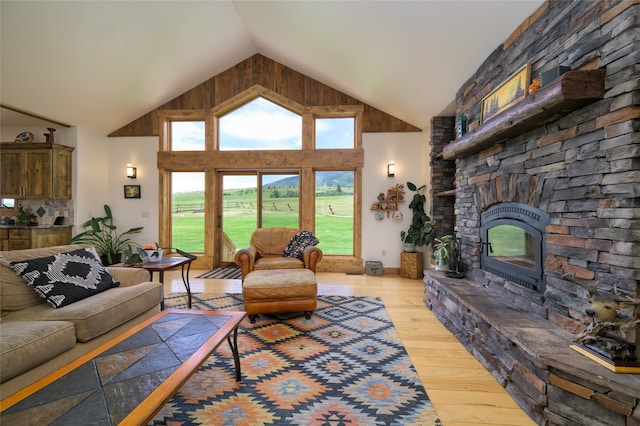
(260, 124)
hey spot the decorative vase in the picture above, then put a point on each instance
(154, 255)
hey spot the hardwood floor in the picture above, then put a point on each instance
(462, 391)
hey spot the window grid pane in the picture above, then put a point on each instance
(260, 125)
(187, 136)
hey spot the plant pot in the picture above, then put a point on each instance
(154, 256)
(441, 265)
(409, 247)
(115, 258)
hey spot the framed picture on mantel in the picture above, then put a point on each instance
(510, 92)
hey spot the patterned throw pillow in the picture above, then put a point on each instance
(295, 247)
(65, 277)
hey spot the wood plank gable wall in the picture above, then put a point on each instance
(260, 70)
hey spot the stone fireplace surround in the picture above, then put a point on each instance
(582, 168)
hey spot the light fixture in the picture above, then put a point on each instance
(132, 171)
(391, 169)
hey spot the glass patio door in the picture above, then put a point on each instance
(245, 208)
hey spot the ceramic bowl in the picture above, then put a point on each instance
(154, 255)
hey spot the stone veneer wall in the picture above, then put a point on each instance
(442, 176)
(582, 169)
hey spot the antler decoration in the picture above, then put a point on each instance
(606, 320)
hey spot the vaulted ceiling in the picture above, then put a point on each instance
(102, 64)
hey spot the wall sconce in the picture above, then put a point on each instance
(132, 171)
(391, 169)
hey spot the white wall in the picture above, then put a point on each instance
(106, 158)
(381, 239)
(90, 176)
(133, 212)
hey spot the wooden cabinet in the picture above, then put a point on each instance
(35, 171)
(27, 238)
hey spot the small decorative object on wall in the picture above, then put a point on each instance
(507, 94)
(388, 202)
(132, 191)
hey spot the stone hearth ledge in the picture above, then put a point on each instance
(544, 349)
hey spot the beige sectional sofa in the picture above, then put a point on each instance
(36, 338)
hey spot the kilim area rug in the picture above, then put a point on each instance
(344, 366)
(230, 273)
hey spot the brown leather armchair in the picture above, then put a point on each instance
(265, 252)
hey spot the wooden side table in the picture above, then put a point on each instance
(167, 264)
(411, 265)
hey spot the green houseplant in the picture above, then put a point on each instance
(101, 233)
(420, 232)
(444, 250)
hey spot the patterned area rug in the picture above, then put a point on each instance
(344, 366)
(230, 273)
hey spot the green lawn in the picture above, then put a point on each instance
(334, 222)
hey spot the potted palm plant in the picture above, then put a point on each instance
(420, 232)
(101, 233)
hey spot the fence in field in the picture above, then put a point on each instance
(271, 206)
(196, 207)
(324, 209)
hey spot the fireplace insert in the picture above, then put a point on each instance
(513, 242)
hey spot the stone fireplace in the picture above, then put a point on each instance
(557, 176)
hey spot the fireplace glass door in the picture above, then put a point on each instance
(513, 243)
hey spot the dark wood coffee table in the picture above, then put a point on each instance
(128, 379)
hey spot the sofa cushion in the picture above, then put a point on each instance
(65, 278)
(297, 243)
(14, 293)
(99, 313)
(27, 344)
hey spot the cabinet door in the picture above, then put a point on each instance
(49, 237)
(4, 239)
(62, 174)
(38, 171)
(11, 178)
(19, 238)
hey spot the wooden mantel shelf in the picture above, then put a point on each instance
(571, 91)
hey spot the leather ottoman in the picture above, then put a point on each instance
(272, 291)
